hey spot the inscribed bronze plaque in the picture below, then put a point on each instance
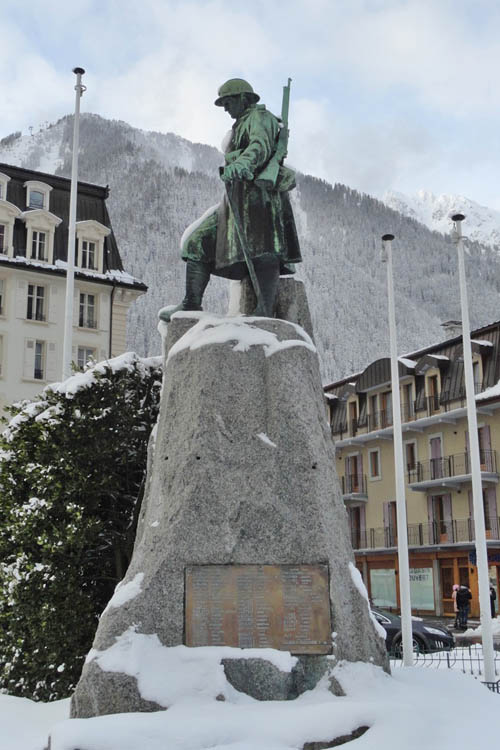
(259, 606)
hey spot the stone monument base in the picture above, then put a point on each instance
(241, 485)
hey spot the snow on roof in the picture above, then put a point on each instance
(438, 356)
(243, 332)
(115, 274)
(331, 396)
(481, 342)
(489, 392)
(407, 362)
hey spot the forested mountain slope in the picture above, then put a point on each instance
(160, 183)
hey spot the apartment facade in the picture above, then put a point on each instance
(34, 217)
(437, 469)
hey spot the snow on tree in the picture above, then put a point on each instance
(72, 467)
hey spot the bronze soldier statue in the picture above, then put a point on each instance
(252, 231)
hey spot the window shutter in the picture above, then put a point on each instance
(491, 503)
(103, 355)
(76, 306)
(21, 299)
(51, 368)
(104, 311)
(29, 358)
(471, 505)
(74, 354)
(52, 312)
(430, 509)
(360, 470)
(362, 524)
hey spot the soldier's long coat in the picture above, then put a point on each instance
(266, 215)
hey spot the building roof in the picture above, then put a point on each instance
(91, 204)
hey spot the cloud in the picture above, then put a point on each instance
(385, 93)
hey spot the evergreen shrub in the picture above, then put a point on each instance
(72, 469)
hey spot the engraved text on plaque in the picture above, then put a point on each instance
(259, 606)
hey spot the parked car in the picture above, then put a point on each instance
(427, 636)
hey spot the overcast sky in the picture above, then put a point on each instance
(386, 94)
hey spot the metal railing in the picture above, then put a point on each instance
(353, 484)
(429, 404)
(467, 659)
(447, 400)
(424, 534)
(455, 465)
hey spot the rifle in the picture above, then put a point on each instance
(267, 178)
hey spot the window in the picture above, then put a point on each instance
(38, 245)
(411, 456)
(476, 371)
(374, 463)
(2, 294)
(87, 312)
(408, 404)
(37, 195)
(89, 249)
(35, 199)
(88, 255)
(84, 354)
(39, 370)
(36, 302)
(433, 394)
(3, 239)
(1, 356)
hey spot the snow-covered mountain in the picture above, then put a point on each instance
(482, 224)
(160, 183)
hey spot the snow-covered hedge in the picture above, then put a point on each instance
(72, 466)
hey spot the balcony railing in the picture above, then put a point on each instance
(450, 466)
(426, 407)
(430, 405)
(459, 530)
(354, 484)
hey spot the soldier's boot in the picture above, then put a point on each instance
(197, 278)
(267, 269)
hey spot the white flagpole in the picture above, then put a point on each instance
(70, 272)
(404, 568)
(477, 490)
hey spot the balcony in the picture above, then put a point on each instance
(354, 488)
(457, 531)
(451, 471)
(416, 416)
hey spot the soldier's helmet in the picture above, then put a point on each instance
(233, 87)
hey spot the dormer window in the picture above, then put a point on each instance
(90, 236)
(39, 245)
(4, 179)
(88, 255)
(35, 199)
(37, 194)
(40, 228)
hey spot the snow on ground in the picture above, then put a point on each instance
(413, 709)
(477, 631)
(25, 725)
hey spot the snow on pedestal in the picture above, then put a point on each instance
(241, 471)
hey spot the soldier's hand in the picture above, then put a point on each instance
(236, 171)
